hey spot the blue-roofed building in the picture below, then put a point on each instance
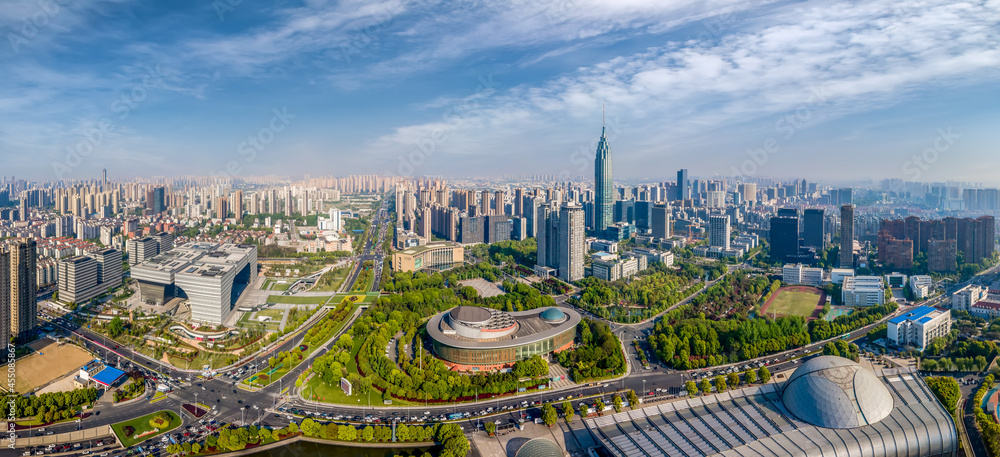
(108, 377)
(96, 371)
(919, 326)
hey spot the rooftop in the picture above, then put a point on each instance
(439, 244)
(758, 421)
(914, 314)
(531, 327)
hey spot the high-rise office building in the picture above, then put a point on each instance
(604, 195)
(572, 248)
(846, 235)
(749, 192)
(683, 187)
(784, 236)
(719, 231)
(158, 205)
(813, 233)
(23, 287)
(660, 221)
(846, 196)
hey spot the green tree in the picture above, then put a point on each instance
(491, 427)
(705, 386)
(617, 403)
(368, 433)
(310, 427)
(567, 410)
(599, 406)
(549, 415)
(764, 374)
(692, 388)
(720, 384)
(633, 399)
(750, 376)
(733, 379)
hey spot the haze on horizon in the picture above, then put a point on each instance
(837, 91)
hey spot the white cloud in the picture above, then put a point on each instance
(860, 55)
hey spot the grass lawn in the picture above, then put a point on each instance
(274, 314)
(35, 422)
(282, 287)
(331, 281)
(791, 303)
(141, 425)
(282, 371)
(322, 392)
(158, 396)
(203, 358)
(295, 300)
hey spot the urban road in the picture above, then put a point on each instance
(230, 403)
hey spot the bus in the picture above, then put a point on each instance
(846, 336)
(454, 416)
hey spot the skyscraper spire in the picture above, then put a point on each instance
(603, 124)
(603, 185)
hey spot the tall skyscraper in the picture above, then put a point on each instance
(718, 231)
(604, 192)
(784, 235)
(23, 287)
(683, 187)
(572, 248)
(813, 232)
(158, 204)
(4, 296)
(847, 236)
(749, 192)
(659, 224)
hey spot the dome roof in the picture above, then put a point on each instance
(471, 314)
(553, 314)
(539, 447)
(834, 392)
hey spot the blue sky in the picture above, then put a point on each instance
(834, 90)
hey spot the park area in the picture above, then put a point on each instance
(134, 431)
(796, 301)
(50, 362)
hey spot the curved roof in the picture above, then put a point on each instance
(539, 447)
(470, 314)
(834, 392)
(553, 314)
(527, 334)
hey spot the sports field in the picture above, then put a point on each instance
(51, 362)
(795, 301)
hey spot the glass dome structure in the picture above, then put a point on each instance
(834, 392)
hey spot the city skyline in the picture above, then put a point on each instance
(392, 88)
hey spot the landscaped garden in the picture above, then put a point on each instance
(298, 300)
(134, 431)
(283, 362)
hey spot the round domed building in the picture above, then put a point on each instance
(476, 338)
(829, 406)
